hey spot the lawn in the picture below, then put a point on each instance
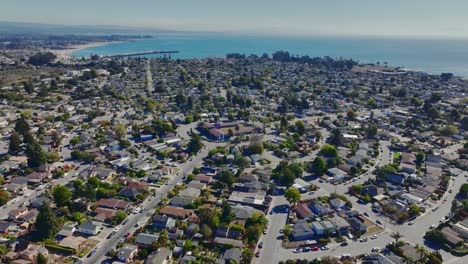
(396, 155)
(86, 247)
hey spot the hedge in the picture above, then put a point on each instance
(59, 248)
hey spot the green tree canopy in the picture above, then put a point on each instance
(36, 155)
(329, 151)
(292, 195)
(319, 166)
(62, 195)
(195, 144)
(15, 143)
(4, 197)
(119, 217)
(47, 224)
(22, 126)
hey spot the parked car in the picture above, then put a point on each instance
(260, 245)
(315, 248)
(297, 250)
(325, 248)
(374, 236)
(410, 223)
(257, 254)
(344, 244)
(375, 249)
(364, 239)
(379, 222)
(305, 249)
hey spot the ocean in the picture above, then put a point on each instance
(432, 56)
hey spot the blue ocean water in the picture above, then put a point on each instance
(433, 56)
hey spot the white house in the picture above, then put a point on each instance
(89, 227)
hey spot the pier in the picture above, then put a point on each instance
(142, 53)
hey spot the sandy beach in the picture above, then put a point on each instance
(66, 54)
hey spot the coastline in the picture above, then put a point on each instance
(67, 53)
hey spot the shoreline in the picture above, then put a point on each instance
(67, 53)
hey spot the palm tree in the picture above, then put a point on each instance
(422, 252)
(396, 236)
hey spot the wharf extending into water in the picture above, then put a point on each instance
(142, 53)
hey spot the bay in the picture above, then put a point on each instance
(429, 55)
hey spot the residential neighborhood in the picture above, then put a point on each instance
(243, 159)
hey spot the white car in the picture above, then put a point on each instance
(374, 236)
(410, 223)
(297, 250)
(364, 239)
(325, 248)
(375, 249)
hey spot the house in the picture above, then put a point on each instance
(357, 225)
(396, 178)
(36, 203)
(16, 213)
(243, 212)
(190, 193)
(176, 212)
(72, 242)
(319, 208)
(204, 178)
(337, 174)
(66, 231)
(461, 228)
(179, 201)
(89, 227)
(113, 203)
(302, 231)
(196, 185)
(163, 221)
(126, 253)
(372, 190)
(31, 252)
(303, 211)
(104, 214)
(318, 228)
(328, 226)
(5, 227)
(145, 240)
(342, 227)
(408, 168)
(160, 256)
(104, 173)
(129, 193)
(337, 203)
(227, 232)
(232, 255)
(141, 186)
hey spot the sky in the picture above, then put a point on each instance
(414, 18)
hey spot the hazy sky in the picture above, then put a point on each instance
(304, 17)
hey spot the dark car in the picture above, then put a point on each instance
(257, 254)
(344, 244)
(305, 249)
(260, 245)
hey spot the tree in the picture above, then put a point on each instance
(422, 252)
(292, 195)
(300, 127)
(336, 138)
(206, 231)
(371, 130)
(4, 197)
(28, 138)
(22, 126)
(120, 131)
(227, 177)
(41, 259)
(62, 195)
(329, 151)
(36, 155)
(46, 223)
(119, 217)
(15, 143)
(386, 170)
(351, 115)
(449, 130)
(226, 213)
(194, 144)
(41, 58)
(319, 166)
(396, 236)
(414, 210)
(420, 156)
(434, 258)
